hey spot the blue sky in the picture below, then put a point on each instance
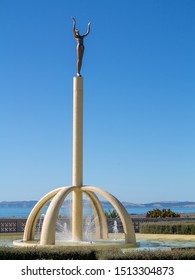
(139, 118)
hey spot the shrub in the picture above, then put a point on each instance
(9, 253)
(167, 228)
(111, 214)
(164, 213)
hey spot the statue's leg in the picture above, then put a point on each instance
(80, 51)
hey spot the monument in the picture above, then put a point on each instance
(77, 188)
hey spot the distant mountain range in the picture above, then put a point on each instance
(161, 204)
(18, 204)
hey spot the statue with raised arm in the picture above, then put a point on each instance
(80, 45)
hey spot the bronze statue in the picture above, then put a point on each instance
(80, 45)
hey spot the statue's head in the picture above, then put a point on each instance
(77, 32)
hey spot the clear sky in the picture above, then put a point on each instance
(139, 118)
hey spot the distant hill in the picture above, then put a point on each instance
(161, 204)
(18, 204)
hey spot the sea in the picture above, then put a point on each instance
(23, 212)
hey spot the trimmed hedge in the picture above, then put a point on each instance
(167, 228)
(9, 253)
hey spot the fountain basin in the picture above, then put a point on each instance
(96, 244)
(100, 244)
(144, 242)
(165, 241)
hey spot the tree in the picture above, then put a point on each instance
(164, 213)
(111, 214)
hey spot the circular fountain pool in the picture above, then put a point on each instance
(145, 241)
(165, 241)
(119, 243)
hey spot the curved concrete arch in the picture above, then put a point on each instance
(49, 223)
(100, 222)
(29, 230)
(58, 196)
(124, 216)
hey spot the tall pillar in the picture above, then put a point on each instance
(77, 176)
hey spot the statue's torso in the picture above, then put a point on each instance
(79, 39)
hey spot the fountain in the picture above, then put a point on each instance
(40, 224)
(57, 196)
(115, 230)
(62, 231)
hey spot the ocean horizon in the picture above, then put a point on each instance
(23, 212)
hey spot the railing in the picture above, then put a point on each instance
(8, 225)
(17, 225)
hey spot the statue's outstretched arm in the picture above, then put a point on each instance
(88, 30)
(74, 24)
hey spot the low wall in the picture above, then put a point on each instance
(17, 225)
(9, 225)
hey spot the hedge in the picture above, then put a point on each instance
(167, 228)
(9, 253)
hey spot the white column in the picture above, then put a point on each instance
(77, 176)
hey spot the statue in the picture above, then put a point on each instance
(80, 45)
